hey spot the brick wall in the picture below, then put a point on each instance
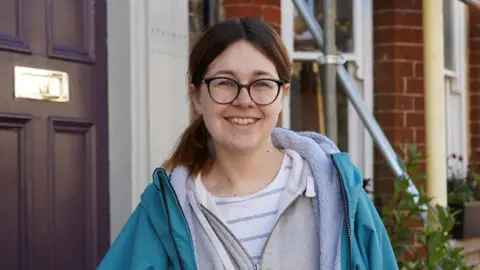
(474, 78)
(398, 81)
(267, 10)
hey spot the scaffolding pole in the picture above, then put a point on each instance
(330, 79)
(356, 99)
(475, 3)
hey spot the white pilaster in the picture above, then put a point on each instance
(148, 108)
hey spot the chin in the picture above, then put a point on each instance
(241, 149)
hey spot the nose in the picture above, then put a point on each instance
(243, 99)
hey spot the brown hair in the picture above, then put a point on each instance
(193, 150)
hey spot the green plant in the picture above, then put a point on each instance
(463, 187)
(433, 236)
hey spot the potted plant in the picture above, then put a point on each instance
(464, 196)
(432, 236)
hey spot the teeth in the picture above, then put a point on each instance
(241, 121)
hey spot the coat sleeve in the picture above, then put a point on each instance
(137, 247)
(374, 250)
(371, 235)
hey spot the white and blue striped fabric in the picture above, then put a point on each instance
(251, 218)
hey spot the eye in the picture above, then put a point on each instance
(226, 83)
(223, 82)
(264, 84)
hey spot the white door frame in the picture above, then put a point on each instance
(148, 103)
(360, 143)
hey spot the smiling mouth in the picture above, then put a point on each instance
(241, 120)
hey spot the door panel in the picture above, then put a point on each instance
(54, 156)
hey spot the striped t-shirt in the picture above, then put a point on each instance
(251, 218)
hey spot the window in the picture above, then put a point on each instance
(454, 29)
(344, 26)
(449, 34)
(306, 102)
(202, 13)
(303, 109)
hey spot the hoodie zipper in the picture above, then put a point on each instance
(274, 226)
(231, 234)
(345, 210)
(257, 266)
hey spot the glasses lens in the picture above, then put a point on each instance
(223, 90)
(264, 91)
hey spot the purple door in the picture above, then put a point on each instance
(54, 210)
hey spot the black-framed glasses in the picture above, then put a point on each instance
(225, 90)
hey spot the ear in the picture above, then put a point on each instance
(286, 89)
(194, 94)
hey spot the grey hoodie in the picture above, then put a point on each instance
(311, 205)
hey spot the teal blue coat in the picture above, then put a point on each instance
(148, 242)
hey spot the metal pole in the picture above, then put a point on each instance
(330, 79)
(475, 3)
(351, 90)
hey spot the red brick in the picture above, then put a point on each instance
(474, 43)
(419, 104)
(398, 18)
(395, 102)
(384, 52)
(232, 2)
(414, 86)
(474, 86)
(475, 113)
(272, 15)
(267, 2)
(415, 119)
(474, 30)
(402, 135)
(243, 11)
(261, 2)
(396, 51)
(383, 85)
(391, 119)
(408, 18)
(474, 127)
(474, 57)
(474, 73)
(418, 69)
(420, 135)
(409, 51)
(475, 141)
(393, 34)
(398, 83)
(474, 15)
(382, 169)
(474, 77)
(390, 70)
(474, 100)
(399, 4)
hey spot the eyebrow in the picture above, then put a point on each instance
(232, 73)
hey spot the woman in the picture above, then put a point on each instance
(239, 193)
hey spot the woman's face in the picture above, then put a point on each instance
(240, 126)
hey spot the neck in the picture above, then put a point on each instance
(243, 174)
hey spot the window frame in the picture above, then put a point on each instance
(456, 84)
(360, 143)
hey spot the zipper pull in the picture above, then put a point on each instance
(257, 267)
